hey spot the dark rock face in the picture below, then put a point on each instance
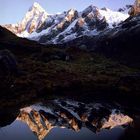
(61, 27)
(8, 68)
(90, 9)
(63, 23)
(95, 22)
(120, 43)
(135, 10)
(126, 8)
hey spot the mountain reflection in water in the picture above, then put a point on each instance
(56, 116)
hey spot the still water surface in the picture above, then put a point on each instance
(66, 120)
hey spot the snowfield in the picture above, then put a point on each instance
(68, 25)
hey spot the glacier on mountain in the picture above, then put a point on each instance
(59, 28)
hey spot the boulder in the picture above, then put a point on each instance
(8, 68)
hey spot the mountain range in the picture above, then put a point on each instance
(71, 115)
(45, 28)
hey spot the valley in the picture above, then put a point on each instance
(75, 73)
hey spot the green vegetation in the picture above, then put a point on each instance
(84, 72)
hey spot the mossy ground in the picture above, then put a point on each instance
(42, 73)
(84, 73)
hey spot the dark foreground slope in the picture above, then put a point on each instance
(67, 71)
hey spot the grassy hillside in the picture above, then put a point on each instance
(47, 70)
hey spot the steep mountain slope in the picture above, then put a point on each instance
(8, 40)
(125, 9)
(33, 20)
(70, 25)
(120, 43)
(135, 9)
(59, 28)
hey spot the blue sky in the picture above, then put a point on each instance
(12, 11)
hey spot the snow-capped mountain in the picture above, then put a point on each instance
(73, 116)
(73, 24)
(33, 20)
(125, 9)
(59, 28)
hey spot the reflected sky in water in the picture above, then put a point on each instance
(21, 131)
(66, 120)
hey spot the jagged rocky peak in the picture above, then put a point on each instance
(71, 11)
(36, 10)
(71, 14)
(32, 21)
(135, 10)
(105, 9)
(67, 18)
(36, 6)
(34, 18)
(90, 9)
(59, 28)
(125, 9)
